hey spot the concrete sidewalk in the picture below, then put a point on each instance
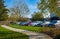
(32, 35)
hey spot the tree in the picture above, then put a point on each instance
(49, 5)
(19, 10)
(3, 11)
(23, 19)
(37, 16)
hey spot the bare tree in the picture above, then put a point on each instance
(20, 9)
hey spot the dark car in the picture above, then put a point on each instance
(28, 23)
(40, 24)
(52, 23)
(23, 23)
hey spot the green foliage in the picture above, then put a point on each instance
(52, 32)
(7, 34)
(49, 5)
(23, 19)
(37, 16)
(3, 11)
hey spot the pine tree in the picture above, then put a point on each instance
(3, 11)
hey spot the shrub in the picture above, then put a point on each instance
(52, 32)
(48, 31)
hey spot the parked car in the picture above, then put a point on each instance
(57, 25)
(34, 23)
(51, 25)
(23, 23)
(46, 23)
(18, 23)
(28, 23)
(53, 21)
(40, 24)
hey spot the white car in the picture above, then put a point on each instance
(46, 23)
(57, 24)
(34, 23)
(17, 22)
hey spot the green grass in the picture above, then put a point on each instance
(7, 34)
(49, 31)
(30, 28)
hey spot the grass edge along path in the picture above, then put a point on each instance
(46, 30)
(8, 34)
(30, 28)
(32, 35)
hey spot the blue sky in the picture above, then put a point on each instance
(32, 5)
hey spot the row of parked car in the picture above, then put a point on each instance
(40, 23)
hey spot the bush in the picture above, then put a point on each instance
(48, 32)
(52, 32)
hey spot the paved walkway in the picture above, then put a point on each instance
(32, 35)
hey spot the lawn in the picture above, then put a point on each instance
(49, 31)
(7, 34)
(30, 28)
